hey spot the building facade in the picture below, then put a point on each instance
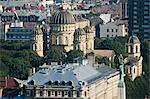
(133, 61)
(113, 29)
(76, 81)
(139, 18)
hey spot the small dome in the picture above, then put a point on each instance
(62, 17)
(87, 29)
(79, 31)
(133, 39)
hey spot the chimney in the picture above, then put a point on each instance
(32, 71)
(91, 58)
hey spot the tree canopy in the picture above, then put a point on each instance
(16, 58)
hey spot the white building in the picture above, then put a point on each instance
(113, 29)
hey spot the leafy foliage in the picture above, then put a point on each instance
(16, 59)
(55, 55)
(104, 60)
(117, 44)
(73, 54)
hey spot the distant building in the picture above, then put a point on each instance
(139, 18)
(72, 81)
(133, 61)
(16, 32)
(37, 41)
(69, 32)
(113, 29)
(9, 87)
(123, 9)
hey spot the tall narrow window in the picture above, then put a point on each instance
(107, 30)
(136, 49)
(131, 49)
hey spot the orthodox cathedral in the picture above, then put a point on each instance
(69, 33)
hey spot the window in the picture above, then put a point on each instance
(41, 93)
(49, 93)
(116, 30)
(49, 83)
(63, 83)
(112, 30)
(85, 93)
(107, 35)
(70, 83)
(136, 49)
(56, 82)
(32, 82)
(32, 92)
(56, 93)
(107, 30)
(131, 49)
(134, 70)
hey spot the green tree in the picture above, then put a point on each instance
(102, 60)
(71, 55)
(55, 55)
(16, 59)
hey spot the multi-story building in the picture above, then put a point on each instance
(123, 9)
(113, 29)
(73, 81)
(139, 18)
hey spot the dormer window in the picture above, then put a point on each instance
(49, 83)
(70, 83)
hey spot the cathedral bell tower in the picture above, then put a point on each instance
(133, 47)
(133, 61)
(38, 41)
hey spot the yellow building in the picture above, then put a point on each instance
(133, 61)
(64, 32)
(38, 41)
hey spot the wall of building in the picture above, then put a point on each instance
(112, 30)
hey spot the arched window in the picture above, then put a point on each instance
(136, 49)
(32, 82)
(56, 83)
(49, 83)
(70, 83)
(85, 93)
(63, 83)
(126, 48)
(131, 49)
(134, 70)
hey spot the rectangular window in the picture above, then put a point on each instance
(116, 30)
(49, 93)
(112, 30)
(107, 30)
(41, 93)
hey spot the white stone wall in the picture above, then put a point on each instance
(112, 30)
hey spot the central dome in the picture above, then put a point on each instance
(62, 17)
(133, 39)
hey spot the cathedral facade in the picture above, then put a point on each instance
(70, 34)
